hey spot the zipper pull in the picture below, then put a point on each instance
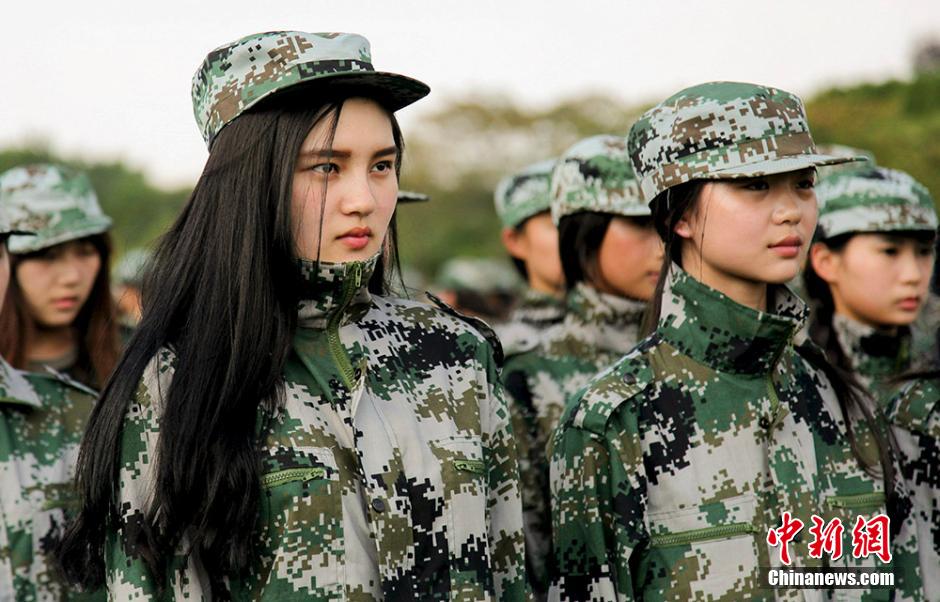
(357, 274)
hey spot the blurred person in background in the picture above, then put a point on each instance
(128, 276)
(477, 286)
(523, 202)
(279, 427)
(59, 312)
(42, 418)
(611, 258)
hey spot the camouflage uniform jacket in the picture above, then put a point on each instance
(388, 474)
(528, 320)
(597, 330)
(670, 468)
(42, 418)
(875, 357)
(914, 416)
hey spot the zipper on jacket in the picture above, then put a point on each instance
(860, 500)
(351, 284)
(289, 475)
(697, 535)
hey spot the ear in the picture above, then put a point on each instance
(825, 262)
(515, 242)
(683, 228)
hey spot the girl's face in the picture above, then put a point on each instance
(741, 235)
(877, 279)
(536, 243)
(358, 174)
(630, 258)
(56, 282)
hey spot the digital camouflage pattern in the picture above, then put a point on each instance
(595, 175)
(873, 199)
(55, 202)
(236, 76)
(524, 194)
(533, 313)
(721, 130)
(390, 472)
(914, 416)
(876, 357)
(42, 418)
(477, 274)
(596, 331)
(670, 467)
(841, 150)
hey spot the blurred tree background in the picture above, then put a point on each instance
(457, 155)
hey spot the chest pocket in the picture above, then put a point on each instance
(302, 533)
(711, 547)
(848, 508)
(464, 473)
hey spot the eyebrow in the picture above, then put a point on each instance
(344, 154)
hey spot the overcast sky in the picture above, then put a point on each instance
(110, 79)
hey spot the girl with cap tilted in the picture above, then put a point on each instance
(611, 258)
(670, 470)
(868, 275)
(42, 418)
(59, 312)
(279, 428)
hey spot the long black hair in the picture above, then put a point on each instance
(668, 208)
(222, 294)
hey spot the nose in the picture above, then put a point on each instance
(789, 207)
(69, 271)
(912, 271)
(358, 198)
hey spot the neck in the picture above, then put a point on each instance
(840, 309)
(50, 343)
(749, 293)
(543, 286)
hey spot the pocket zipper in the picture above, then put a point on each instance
(474, 466)
(696, 535)
(861, 500)
(273, 479)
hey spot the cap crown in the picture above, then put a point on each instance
(54, 201)
(874, 199)
(236, 76)
(714, 127)
(596, 175)
(524, 194)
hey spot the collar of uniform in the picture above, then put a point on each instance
(873, 352)
(333, 289)
(536, 306)
(606, 315)
(718, 332)
(15, 389)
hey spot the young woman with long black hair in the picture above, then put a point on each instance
(278, 428)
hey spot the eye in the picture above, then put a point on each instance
(756, 185)
(806, 183)
(325, 168)
(925, 250)
(383, 166)
(890, 251)
(85, 248)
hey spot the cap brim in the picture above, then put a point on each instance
(406, 196)
(36, 242)
(778, 166)
(392, 90)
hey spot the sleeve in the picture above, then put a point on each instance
(127, 574)
(598, 508)
(504, 503)
(533, 476)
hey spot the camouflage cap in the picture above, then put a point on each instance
(477, 274)
(876, 199)
(55, 202)
(721, 130)
(129, 271)
(235, 77)
(596, 175)
(408, 196)
(841, 150)
(524, 193)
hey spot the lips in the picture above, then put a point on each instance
(64, 303)
(356, 238)
(788, 247)
(909, 303)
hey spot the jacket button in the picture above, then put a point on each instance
(629, 379)
(378, 505)
(764, 422)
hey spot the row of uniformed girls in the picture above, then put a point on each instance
(686, 452)
(279, 427)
